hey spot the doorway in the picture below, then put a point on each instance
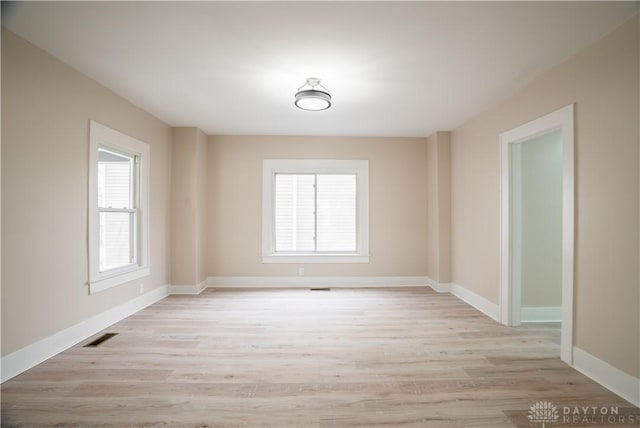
(536, 228)
(537, 224)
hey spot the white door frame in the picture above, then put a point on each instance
(560, 119)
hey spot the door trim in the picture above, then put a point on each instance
(560, 119)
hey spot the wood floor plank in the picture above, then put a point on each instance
(402, 357)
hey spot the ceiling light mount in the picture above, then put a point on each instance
(312, 96)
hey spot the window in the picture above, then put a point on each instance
(118, 219)
(117, 208)
(315, 211)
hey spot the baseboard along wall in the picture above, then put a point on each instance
(620, 383)
(615, 380)
(485, 306)
(312, 281)
(188, 289)
(23, 359)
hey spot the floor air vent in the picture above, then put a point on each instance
(100, 340)
(320, 289)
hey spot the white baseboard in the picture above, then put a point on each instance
(440, 287)
(619, 382)
(188, 289)
(312, 281)
(480, 303)
(615, 380)
(541, 314)
(23, 359)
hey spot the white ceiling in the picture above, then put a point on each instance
(393, 68)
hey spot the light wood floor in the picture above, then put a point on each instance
(299, 358)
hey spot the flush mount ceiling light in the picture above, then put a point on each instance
(313, 96)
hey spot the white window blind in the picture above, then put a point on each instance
(117, 209)
(295, 212)
(336, 208)
(315, 213)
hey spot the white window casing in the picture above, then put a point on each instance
(312, 186)
(123, 253)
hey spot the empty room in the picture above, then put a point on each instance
(320, 214)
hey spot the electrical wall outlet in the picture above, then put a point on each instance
(300, 271)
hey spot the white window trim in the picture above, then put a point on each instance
(294, 166)
(100, 135)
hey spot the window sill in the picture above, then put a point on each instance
(315, 258)
(109, 281)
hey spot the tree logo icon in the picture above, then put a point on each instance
(543, 412)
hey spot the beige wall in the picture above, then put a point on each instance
(46, 108)
(438, 185)
(603, 82)
(398, 203)
(444, 207)
(541, 172)
(431, 261)
(202, 219)
(189, 206)
(183, 207)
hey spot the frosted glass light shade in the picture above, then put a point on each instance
(313, 100)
